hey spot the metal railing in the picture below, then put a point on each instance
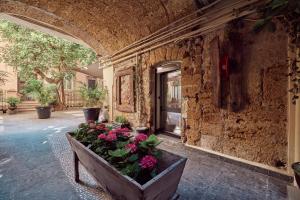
(73, 99)
(3, 104)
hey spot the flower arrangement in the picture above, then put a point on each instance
(136, 157)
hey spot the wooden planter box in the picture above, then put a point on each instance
(161, 187)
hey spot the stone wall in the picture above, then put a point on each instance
(258, 131)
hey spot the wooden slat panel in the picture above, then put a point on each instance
(215, 72)
(235, 77)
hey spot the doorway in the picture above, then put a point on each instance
(168, 100)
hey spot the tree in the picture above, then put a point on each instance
(35, 54)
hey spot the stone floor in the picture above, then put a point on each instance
(36, 163)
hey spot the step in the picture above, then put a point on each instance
(26, 109)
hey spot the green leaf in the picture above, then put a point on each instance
(119, 153)
(151, 142)
(133, 158)
(153, 173)
(131, 170)
(121, 144)
(157, 153)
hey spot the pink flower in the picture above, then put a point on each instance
(132, 147)
(148, 162)
(100, 127)
(111, 137)
(102, 136)
(124, 130)
(140, 137)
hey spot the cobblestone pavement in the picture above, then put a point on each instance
(36, 163)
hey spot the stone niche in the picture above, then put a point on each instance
(124, 81)
(258, 131)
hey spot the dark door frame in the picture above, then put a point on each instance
(163, 67)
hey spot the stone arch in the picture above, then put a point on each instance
(164, 56)
(106, 26)
(50, 20)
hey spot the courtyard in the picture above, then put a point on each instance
(36, 163)
(150, 100)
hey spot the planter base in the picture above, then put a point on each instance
(11, 112)
(77, 179)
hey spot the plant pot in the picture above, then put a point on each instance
(161, 187)
(44, 112)
(143, 130)
(297, 173)
(12, 110)
(122, 125)
(91, 114)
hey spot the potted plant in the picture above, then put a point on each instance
(93, 99)
(127, 167)
(296, 168)
(122, 122)
(44, 94)
(12, 102)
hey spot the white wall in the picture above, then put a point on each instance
(108, 80)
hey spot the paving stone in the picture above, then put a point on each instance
(33, 170)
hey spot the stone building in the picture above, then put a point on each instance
(160, 62)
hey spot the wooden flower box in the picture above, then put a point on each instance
(161, 187)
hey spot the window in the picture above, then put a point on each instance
(91, 83)
(69, 84)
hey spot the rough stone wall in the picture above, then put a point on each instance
(257, 132)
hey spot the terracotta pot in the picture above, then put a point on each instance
(297, 173)
(91, 114)
(44, 112)
(12, 108)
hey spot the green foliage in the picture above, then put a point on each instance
(43, 93)
(122, 144)
(121, 119)
(13, 101)
(28, 50)
(125, 154)
(92, 96)
(34, 53)
(151, 142)
(132, 170)
(119, 153)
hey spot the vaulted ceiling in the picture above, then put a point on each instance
(106, 25)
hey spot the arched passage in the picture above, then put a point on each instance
(104, 25)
